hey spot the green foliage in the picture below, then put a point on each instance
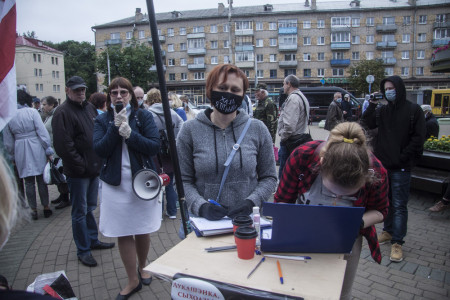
(363, 68)
(31, 35)
(132, 62)
(435, 144)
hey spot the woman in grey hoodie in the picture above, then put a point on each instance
(205, 143)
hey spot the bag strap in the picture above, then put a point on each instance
(304, 110)
(231, 156)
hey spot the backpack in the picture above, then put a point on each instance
(164, 149)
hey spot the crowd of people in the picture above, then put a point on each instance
(226, 158)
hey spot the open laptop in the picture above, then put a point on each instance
(310, 228)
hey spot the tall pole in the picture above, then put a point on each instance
(256, 66)
(230, 4)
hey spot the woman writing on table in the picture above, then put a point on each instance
(205, 143)
(343, 172)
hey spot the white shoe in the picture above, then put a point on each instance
(171, 217)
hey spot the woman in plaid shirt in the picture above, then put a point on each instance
(341, 171)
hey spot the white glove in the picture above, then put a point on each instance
(120, 117)
(125, 130)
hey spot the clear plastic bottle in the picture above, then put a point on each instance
(256, 224)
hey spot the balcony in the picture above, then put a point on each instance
(241, 32)
(113, 42)
(440, 61)
(287, 63)
(243, 48)
(340, 45)
(340, 62)
(287, 30)
(196, 66)
(440, 42)
(341, 29)
(389, 61)
(441, 25)
(245, 64)
(386, 28)
(162, 39)
(386, 45)
(196, 51)
(287, 47)
(200, 35)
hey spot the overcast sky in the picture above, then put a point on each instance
(62, 20)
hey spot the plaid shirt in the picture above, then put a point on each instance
(301, 170)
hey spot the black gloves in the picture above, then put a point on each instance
(212, 212)
(244, 208)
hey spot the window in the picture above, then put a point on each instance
(260, 73)
(369, 39)
(306, 40)
(387, 54)
(321, 56)
(226, 28)
(340, 37)
(226, 59)
(355, 39)
(41, 87)
(244, 56)
(355, 55)
(440, 18)
(306, 56)
(53, 74)
(273, 58)
(226, 44)
(259, 57)
(422, 37)
(420, 54)
(320, 72)
(58, 89)
(171, 62)
(259, 26)
(214, 44)
(423, 19)
(273, 73)
(320, 23)
(370, 21)
(54, 87)
(129, 35)
(388, 20)
(53, 60)
(356, 22)
(243, 25)
(37, 87)
(406, 38)
(289, 57)
(405, 54)
(272, 26)
(34, 57)
(183, 47)
(56, 59)
(288, 72)
(182, 30)
(199, 60)
(196, 43)
(170, 48)
(320, 40)
(141, 34)
(406, 20)
(40, 72)
(340, 22)
(198, 29)
(338, 72)
(389, 71)
(419, 71)
(288, 40)
(172, 77)
(57, 74)
(183, 76)
(213, 29)
(115, 35)
(259, 43)
(170, 32)
(388, 38)
(247, 73)
(405, 71)
(183, 62)
(273, 42)
(441, 33)
(338, 55)
(35, 72)
(369, 55)
(306, 24)
(306, 72)
(199, 75)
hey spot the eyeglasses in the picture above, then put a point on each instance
(335, 198)
(123, 93)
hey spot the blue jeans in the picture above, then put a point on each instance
(83, 195)
(171, 198)
(397, 218)
(283, 155)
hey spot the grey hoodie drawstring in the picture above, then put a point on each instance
(215, 150)
(234, 137)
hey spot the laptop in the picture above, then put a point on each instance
(310, 228)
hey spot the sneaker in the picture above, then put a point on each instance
(396, 253)
(440, 206)
(384, 237)
(171, 217)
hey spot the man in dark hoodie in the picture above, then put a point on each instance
(399, 144)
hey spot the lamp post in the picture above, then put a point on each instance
(107, 62)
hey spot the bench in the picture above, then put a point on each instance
(432, 173)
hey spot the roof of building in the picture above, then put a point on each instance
(278, 9)
(34, 43)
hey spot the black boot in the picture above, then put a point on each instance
(57, 200)
(65, 201)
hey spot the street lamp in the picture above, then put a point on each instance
(107, 61)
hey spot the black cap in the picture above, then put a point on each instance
(260, 86)
(75, 82)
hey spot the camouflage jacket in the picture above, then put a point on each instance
(267, 112)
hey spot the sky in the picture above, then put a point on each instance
(62, 20)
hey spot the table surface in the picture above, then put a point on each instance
(318, 278)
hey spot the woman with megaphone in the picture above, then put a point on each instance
(126, 137)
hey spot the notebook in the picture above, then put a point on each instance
(204, 227)
(310, 228)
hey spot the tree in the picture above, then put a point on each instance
(30, 35)
(132, 62)
(362, 69)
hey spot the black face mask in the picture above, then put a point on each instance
(226, 103)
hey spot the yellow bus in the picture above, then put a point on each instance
(440, 102)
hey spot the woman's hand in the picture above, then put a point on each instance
(212, 212)
(120, 117)
(125, 130)
(243, 209)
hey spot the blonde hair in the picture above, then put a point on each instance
(345, 157)
(8, 200)
(153, 96)
(176, 102)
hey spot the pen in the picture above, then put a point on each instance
(254, 269)
(215, 249)
(214, 202)
(279, 271)
(291, 257)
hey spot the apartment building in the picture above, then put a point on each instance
(39, 68)
(315, 41)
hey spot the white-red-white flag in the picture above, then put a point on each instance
(8, 92)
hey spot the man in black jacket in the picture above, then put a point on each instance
(399, 144)
(431, 122)
(73, 128)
